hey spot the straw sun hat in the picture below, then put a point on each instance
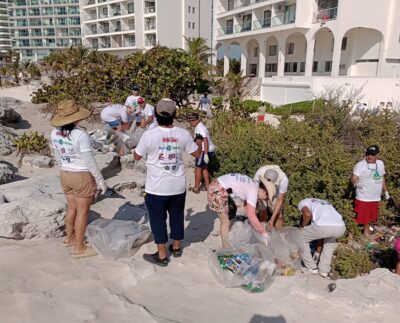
(271, 189)
(68, 111)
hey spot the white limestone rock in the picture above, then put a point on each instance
(38, 161)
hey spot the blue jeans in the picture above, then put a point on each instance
(158, 206)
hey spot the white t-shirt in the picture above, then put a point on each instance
(132, 101)
(69, 149)
(114, 112)
(242, 187)
(148, 112)
(323, 213)
(281, 184)
(163, 148)
(370, 179)
(202, 130)
(205, 104)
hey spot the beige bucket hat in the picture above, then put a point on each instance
(68, 111)
(271, 189)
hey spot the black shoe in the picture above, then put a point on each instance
(175, 252)
(155, 259)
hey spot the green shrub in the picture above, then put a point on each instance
(31, 142)
(302, 107)
(252, 105)
(218, 102)
(160, 72)
(350, 263)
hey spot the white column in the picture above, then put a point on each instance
(281, 56)
(261, 59)
(310, 55)
(243, 59)
(337, 51)
(226, 59)
(382, 59)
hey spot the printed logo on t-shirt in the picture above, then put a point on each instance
(376, 175)
(168, 153)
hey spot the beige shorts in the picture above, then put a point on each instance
(80, 184)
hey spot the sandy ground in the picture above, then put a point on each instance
(40, 282)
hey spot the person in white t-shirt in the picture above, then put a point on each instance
(132, 101)
(326, 224)
(165, 186)
(148, 115)
(207, 157)
(275, 175)
(79, 172)
(369, 181)
(116, 116)
(233, 185)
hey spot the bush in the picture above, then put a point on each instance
(160, 72)
(31, 142)
(350, 263)
(302, 107)
(218, 102)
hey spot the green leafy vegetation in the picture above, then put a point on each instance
(31, 142)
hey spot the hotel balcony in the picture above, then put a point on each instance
(257, 25)
(235, 4)
(325, 15)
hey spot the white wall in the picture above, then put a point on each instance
(170, 22)
(280, 91)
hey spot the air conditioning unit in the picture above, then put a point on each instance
(280, 6)
(239, 15)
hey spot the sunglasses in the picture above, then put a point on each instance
(371, 154)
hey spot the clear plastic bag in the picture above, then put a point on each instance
(250, 266)
(114, 239)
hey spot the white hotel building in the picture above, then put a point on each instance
(300, 48)
(123, 26)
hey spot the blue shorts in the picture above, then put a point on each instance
(114, 124)
(200, 161)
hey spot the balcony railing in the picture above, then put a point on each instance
(258, 24)
(129, 43)
(106, 45)
(90, 2)
(150, 26)
(238, 4)
(150, 42)
(325, 15)
(150, 9)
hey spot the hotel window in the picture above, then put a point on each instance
(193, 10)
(328, 66)
(291, 67)
(290, 49)
(344, 43)
(256, 51)
(189, 9)
(271, 68)
(192, 25)
(273, 49)
(302, 67)
(189, 23)
(315, 66)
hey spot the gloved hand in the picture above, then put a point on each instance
(266, 238)
(125, 138)
(358, 184)
(206, 158)
(387, 195)
(103, 187)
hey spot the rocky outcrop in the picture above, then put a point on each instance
(7, 113)
(7, 173)
(38, 161)
(107, 162)
(32, 218)
(7, 137)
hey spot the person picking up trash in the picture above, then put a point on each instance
(207, 155)
(320, 220)
(275, 175)
(241, 186)
(116, 116)
(79, 172)
(165, 186)
(369, 181)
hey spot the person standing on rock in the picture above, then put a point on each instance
(275, 175)
(79, 172)
(165, 186)
(369, 181)
(207, 156)
(320, 220)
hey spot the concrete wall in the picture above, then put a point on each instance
(170, 22)
(280, 91)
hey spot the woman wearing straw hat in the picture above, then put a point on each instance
(79, 172)
(246, 189)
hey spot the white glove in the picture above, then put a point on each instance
(125, 138)
(206, 159)
(266, 238)
(387, 195)
(358, 184)
(103, 187)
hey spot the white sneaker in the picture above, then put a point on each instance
(313, 271)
